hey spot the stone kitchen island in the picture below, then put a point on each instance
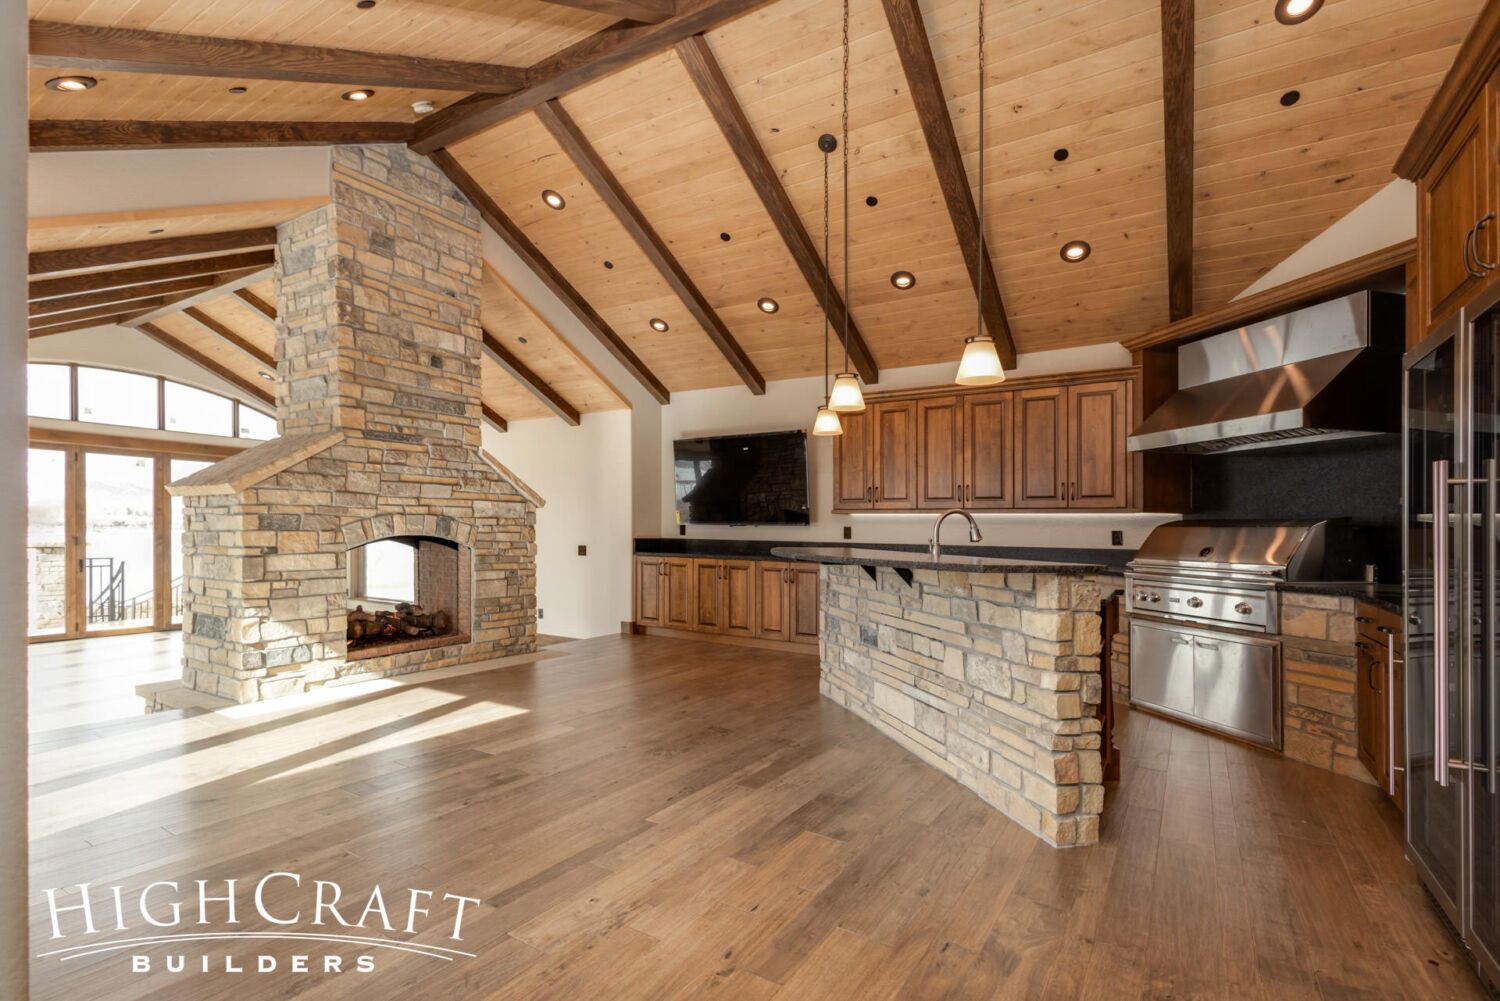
(987, 669)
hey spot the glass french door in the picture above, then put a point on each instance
(104, 541)
(1435, 617)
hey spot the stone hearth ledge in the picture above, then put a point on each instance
(989, 675)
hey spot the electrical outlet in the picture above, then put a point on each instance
(1117, 538)
(681, 529)
(539, 613)
(583, 550)
(848, 531)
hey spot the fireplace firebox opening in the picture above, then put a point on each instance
(407, 593)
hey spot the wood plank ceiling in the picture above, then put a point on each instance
(1075, 150)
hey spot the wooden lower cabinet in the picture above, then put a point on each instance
(1380, 682)
(745, 598)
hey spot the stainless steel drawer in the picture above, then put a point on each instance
(1224, 681)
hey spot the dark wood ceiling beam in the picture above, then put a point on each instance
(644, 11)
(137, 251)
(99, 314)
(230, 376)
(594, 57)
(1177, 21)
(65, 327)
(122, 297)
(494, 418)
(256, 303)
(533, 383)
(93, 281)
(609, 189)
(130, 50)
(84, 134)
(1369, 271)
(548, 275)
(222, 285)
(920, 69)
(226, 332)
(714, 87)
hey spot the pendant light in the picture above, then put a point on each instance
(980, 364)
(846, 397)
(827, 423)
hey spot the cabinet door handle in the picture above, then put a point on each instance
(1469, 268)
(1480, 261)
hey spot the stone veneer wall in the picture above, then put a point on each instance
(378, 353)
(989, 678)
(1320, 671)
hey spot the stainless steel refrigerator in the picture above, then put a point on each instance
(1452, 495)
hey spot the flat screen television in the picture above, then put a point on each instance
(742, 479)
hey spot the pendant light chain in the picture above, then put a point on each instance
(845, 139)
(979, 256)
(826, 279)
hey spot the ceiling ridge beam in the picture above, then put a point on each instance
(63, 328)
(132, 50)
(256, 303)
(97, 314)
(1177, 34)
(51, 136)
(915, 50)
(222, 286)
(644, 11)
(92, 281)
(548, 275)
(230, 376)
(119, 297)
(533, 383)
(137, 251)
(714, 88)
(596, 56)
(227, 333)
(608, 188)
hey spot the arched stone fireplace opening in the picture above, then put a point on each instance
(407, 592)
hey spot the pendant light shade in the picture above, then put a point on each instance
(980, 365)
(827, 423)
(846, 397)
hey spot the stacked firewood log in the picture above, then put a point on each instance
(408, 621)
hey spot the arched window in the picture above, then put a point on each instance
(65, 391)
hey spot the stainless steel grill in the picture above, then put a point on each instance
(1205, 610)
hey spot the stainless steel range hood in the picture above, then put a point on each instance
(1328, 371)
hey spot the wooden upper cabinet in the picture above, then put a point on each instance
(988, 431)
(1097, 425)
(894, 430)
(853, 464)
(940, 453)
(1041, 451)
(1453, 198)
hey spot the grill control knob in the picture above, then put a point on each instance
(1195, 602)
(1155, 597)
(1243, 608)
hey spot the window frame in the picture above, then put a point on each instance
(161, 401)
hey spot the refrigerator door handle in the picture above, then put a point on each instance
(1440, 490)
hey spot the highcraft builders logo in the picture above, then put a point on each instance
(280, 922)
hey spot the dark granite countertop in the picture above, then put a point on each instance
(1110, 560)
(1387, 596)
(952, 559)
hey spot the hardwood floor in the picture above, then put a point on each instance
(648, 818)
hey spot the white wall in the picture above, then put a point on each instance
(13, 750)
(791, 404)
(583, 474)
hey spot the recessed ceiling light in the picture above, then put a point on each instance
(872, 201)
(1296, 11)
(265, 375)
(362, 94)
(659, 325)
(724, 237)
(903, 279)
(609, 265)
(71, 84)
(553, 199)
(153, 232)
(365, 4)
(1290, 98)
(422, 107)
(1060, 154)
(767, 304)
(238, 90)
(521, 339)
(1074, 251)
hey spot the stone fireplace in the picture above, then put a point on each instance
(378, 482)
